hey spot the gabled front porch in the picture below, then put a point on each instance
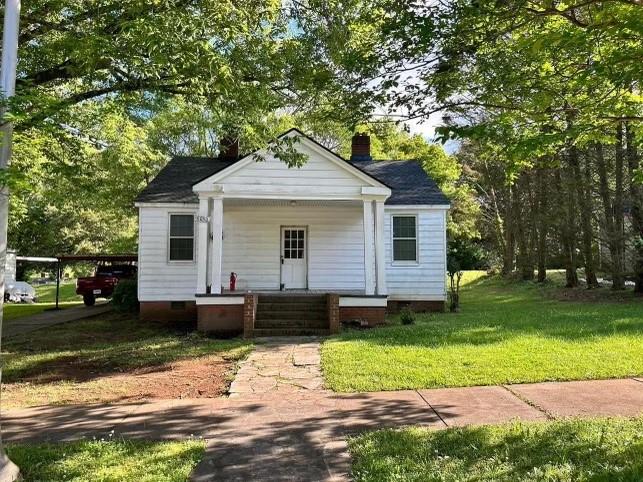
(311, 232)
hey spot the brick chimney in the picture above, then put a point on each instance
(361, 148)
(229, 148)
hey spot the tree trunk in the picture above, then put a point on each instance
(510, 242)
(585, 207)
(568, 226)
(618, 257)
(608, 208)
(542, 225)
(636, 196)
(524, 261)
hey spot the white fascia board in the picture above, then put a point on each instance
(417, 207)
(362, 302)
(219, 300)
(167, 205)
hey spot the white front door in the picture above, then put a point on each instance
(294, 272)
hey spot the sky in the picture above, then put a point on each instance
(426, 129)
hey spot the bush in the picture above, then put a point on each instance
(125, 297)
(462, 255)
(407, 316)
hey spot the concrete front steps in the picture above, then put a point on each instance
(291, 315)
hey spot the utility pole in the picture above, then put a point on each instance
(8, 470)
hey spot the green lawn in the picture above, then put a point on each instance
(46, 300)
(89, 349)
(47, 293)
(117, 461)
(507, 332)
(569, 450)
(14, 311)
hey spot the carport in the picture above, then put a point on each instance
(64, 259)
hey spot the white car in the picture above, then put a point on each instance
(20, 292)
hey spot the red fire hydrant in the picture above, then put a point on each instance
(233, 281)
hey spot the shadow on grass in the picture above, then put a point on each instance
(109, 460)
(90, 349)
(564, 450)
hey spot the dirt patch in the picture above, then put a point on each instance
(205, 377)
(196, 378)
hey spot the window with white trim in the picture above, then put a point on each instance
(181, 245)
(405, 239)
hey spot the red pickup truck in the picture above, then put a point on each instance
(103, 282)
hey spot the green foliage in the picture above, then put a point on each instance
(241, 60)
(506, 333)
(407, 316)
(108, 460)
(463, 255)
(81, 184)
(565, 450)
(107, 90)
(125, 296)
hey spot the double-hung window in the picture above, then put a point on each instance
(181, 237)
(405, 239)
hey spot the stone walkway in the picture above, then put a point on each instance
(27, 324)
(284, 365)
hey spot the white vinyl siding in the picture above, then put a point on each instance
(251, 245)
(160, 279)
(424, 279)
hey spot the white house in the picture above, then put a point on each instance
(334, 240)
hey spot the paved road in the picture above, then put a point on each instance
(27, 324)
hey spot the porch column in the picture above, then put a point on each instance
(217, 244)
(380, 263)
(202, 247)
(369, 253)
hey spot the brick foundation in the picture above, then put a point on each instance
(373, 316)
(168, 311)
(223, 320)
(394, 306)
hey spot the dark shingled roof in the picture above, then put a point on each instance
(407, 180)
(174, 183)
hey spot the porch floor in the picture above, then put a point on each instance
(304, 292)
